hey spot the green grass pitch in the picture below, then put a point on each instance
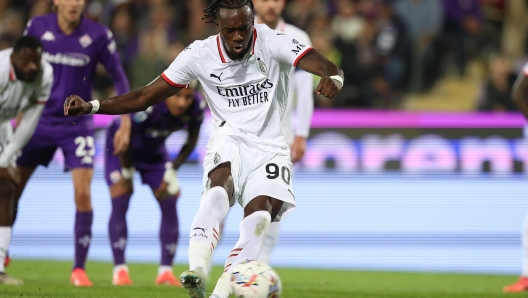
(51, 279)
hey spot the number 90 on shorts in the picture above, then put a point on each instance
(273, 178)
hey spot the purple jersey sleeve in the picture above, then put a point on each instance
(111, 61)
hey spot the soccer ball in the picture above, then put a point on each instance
(254, 279)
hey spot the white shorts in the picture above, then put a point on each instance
(255, 172)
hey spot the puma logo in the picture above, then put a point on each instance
(215, 76)
(198, 228)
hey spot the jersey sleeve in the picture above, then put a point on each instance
(183, 69)
(111, 61)
(43, 92)
(286, 49)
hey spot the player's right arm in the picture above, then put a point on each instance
(135, 101)
(520, 91)
(176, 77)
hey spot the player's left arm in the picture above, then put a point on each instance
(22, 134)
(303, 86)
(111, 61)
(288, 50)
(331, 76)
(170, 185)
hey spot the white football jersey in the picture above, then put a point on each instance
(17, 96)
(300, 95)
(246, 97)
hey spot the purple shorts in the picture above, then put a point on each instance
(151, 167)
(76, 142)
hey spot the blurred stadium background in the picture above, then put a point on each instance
(419, 164)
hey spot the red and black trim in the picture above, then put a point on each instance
(221, 52)
(166, 79)
(12, 75)
(301, 55)
(220, 49)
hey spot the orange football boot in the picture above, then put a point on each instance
(520, 286)
(167, 279)
(7, 261)
(79, 278)
(121, 278)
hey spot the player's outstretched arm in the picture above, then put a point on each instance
(520, 93)
(317, 64)
(135, 101)
(188, 147)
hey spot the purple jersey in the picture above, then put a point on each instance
(152, 127)
(74, 58)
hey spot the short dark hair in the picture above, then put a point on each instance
(211, 11)
(27, 41)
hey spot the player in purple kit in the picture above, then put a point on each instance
(147, 154)
(74, 46)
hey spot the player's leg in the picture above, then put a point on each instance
(267, 197)
(214, 206)
(269, 243)
(78, 147)
(38, 151)
(120, 192)
(7, 203)
(522, 283)
(258, 215)
(152, 174)
(82, 178)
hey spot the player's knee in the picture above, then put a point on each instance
(119, 189)
(216, 200)
(263, 220)
(83, 200)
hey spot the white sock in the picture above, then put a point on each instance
(164, 268)
(205, 227)
(5, 238)
(120, 267)
(211, 265)
(270, 242)
(525, 247)
(253, 231)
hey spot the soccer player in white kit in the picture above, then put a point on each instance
(245, 72)
(520, 96)
(300, 97)
(25, 86)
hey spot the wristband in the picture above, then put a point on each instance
(127, 173)
(338, 78)
(95, 106)
(170, 177)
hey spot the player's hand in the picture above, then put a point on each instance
(328, 87)
(122, 187)
(121, 140)
(74, 105)
(162, 192)
(9, 173)
(297, 149)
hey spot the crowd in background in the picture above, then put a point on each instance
(386, 48)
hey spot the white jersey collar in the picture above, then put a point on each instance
(222, 52)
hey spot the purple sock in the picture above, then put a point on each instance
(83, 236)
(117, 228)
(168, 230)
